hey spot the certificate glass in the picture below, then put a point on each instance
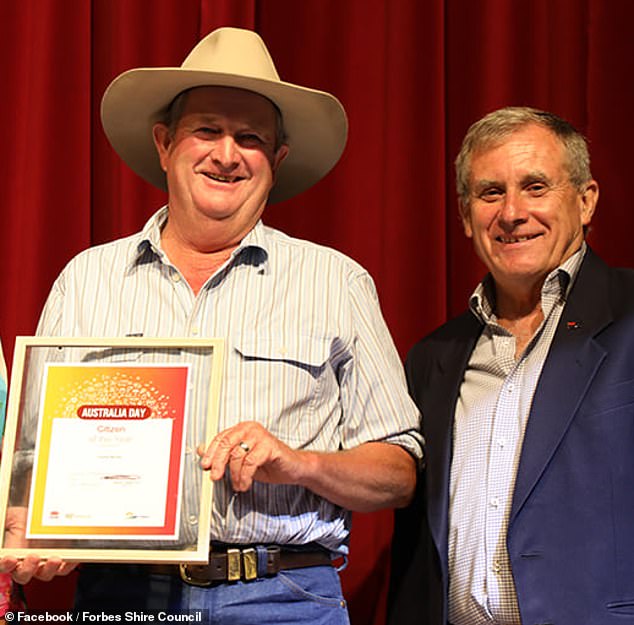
(99, 459)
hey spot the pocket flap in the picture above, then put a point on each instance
(306, 350)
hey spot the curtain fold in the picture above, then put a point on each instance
(412, 74)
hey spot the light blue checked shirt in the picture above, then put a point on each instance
(491, 415)
(308, 355)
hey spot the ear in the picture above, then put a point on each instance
(162, 142)
(278, 158)
(588, 199)
(465, 216)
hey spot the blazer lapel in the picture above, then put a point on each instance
(570, 366)
(451, 362)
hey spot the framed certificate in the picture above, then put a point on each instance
(99, 459)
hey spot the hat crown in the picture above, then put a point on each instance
(233, 51)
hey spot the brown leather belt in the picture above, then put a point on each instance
(246, 564)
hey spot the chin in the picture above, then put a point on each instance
(217, 209)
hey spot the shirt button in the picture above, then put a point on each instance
(283, 351)
(176, 277)
(496, 568)
(501, 443)
(195, 330)
(193, 520)
(510, 388)
(495, 502)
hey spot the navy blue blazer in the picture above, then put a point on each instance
(571, 529)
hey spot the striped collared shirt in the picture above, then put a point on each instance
(490, 420)
(308, 355)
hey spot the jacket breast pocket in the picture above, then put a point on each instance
(280, 383)
(624, 608)
(610, 398)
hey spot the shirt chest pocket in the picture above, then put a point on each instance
(279, 382)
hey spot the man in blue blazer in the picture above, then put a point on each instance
(525, 513)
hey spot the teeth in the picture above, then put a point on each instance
(514, 239)
(219, 178)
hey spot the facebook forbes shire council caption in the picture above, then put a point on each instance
(195, 616)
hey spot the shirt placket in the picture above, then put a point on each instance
(505, 436)
(189, 325)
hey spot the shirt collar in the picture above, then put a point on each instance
(556, 285)
(252, 250)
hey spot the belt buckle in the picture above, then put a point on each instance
(188, 579)
(234, 565)
(250, 564)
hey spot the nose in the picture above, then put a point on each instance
(225, 152)
(512, 211)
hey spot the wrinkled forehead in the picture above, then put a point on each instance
(531, 146)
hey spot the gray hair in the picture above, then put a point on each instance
(494, 127)
(177, 105)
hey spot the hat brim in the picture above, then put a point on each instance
(315, 122)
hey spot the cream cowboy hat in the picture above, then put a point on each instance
(315, 122)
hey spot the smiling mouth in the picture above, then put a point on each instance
(522, 239)
(221, 178)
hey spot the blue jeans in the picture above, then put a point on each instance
(306, 596)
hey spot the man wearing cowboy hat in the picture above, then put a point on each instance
(315, 420)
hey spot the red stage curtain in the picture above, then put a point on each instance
(412, 74)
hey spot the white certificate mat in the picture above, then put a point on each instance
(109, 452)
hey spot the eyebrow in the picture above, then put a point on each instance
(526, 179)
(535, 176)
(212, 118)
(481, 185)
